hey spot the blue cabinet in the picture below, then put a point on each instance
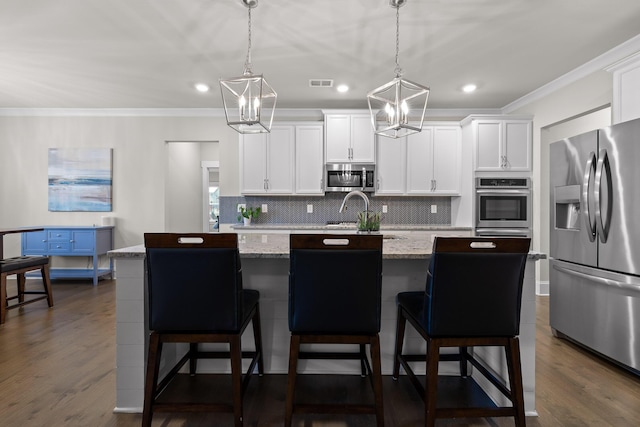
(72, 241)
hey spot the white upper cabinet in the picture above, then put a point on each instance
(502, 145)
(309, 160)
(267, 161)
(423, 164)
(419, 167)
(433, 161)
(349, 138)
(253, 163)
(446, 160)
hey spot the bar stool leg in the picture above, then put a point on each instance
(3, 297)
(400, 327)
(377, 379)
(512, 350)
(431, 389)
(20, 279)
(257, 338)
(46, 281)
(294, 350)
(153, 367)
(236, 378)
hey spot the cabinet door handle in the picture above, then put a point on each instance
(70, 241)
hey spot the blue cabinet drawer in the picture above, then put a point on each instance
(58, 235)
(59, 247)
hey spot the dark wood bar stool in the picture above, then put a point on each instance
(334, 298)
(19, 266)
(472, 298)
(196, 296)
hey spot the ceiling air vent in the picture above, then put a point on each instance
(320, 83)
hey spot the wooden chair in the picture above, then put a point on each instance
(334, 298)
(196, 296)
(472, 298)
(19, 266)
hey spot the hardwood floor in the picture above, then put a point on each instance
(57, 368)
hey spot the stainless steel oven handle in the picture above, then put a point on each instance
(502, 192)
(498, 231)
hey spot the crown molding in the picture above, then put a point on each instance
(281, 114)
(602, 62)
(111, 112)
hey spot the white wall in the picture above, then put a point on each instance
(139, 167)
(588, 94)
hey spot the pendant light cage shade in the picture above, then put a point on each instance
(397, 108)
(249, 103)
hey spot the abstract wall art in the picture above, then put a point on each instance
(80, 179)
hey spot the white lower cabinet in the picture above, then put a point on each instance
(425, 163)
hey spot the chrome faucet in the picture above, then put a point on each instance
(355, 193)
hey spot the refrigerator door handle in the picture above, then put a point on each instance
(633, 285)
(590, 169)
(603, 221)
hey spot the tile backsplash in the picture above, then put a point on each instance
(293, 210)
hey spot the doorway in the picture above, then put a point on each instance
(210, 196)
(186, 189)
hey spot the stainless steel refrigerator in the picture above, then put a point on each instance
(594, 275)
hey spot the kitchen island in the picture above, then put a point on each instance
(265, 266)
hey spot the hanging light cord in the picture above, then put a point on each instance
(247, 62)
(398, 70)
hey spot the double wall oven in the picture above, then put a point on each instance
(503, 207)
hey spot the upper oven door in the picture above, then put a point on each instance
(503, 208)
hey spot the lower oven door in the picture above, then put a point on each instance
(504, 232)
(503, 208)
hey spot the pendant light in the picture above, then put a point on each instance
(400, 104)
(249, 101)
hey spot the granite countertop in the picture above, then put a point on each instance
(415, 245)
(346, 226)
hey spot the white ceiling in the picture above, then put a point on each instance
(149, 53)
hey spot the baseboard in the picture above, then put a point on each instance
(542, 288)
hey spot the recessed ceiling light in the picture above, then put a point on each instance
(342, 88)
(202, 87)
(469, 88)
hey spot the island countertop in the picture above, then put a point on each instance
(396, 245)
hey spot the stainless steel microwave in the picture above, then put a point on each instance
(345, 177)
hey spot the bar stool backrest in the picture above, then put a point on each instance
(474, 286)
(194, 282)
(335, 284)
